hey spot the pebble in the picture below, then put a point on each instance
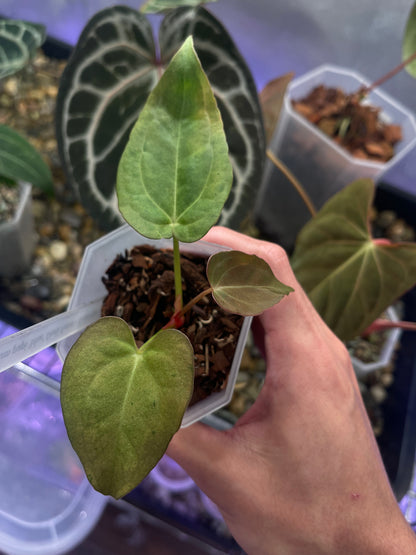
(58, 250)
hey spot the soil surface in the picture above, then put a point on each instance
(350, 122)
(140, 286)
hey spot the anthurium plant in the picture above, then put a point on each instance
(122, 404)
(114, 66)
(19, 160)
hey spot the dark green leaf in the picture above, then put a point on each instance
(122, 405)
(19, 41)
(409, 41)
(175, 175)
(94, 118)
(351, 278)
(244, 283)
(102, 90)
(155, 6)
(20, 161)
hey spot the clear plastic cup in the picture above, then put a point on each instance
(320, 165)
(89, 287)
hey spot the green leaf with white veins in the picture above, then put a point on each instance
(244, 283)
(122, 405)
(19, 41)
(175, 175)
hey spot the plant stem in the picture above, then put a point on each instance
(177, 319)
(178, 275)
(296, 184)
(381, 324)
(390, 74)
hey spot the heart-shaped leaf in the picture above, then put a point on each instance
(19, 41)
(409, 41)
(20, 161)
(175, 175)
(244, 283)
(122, 405)
(155, 6)
(351, 278)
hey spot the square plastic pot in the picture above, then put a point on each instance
(89, 287)
(47, 506)
(320, 165)
(17, 236)
(361, 368)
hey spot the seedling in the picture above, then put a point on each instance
(122, 404)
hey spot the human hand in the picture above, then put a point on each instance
(300, 472)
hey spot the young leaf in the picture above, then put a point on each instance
(236, 93)
(20, 161)
(175, 175)
(19, 41)
(244, 283)
(409, 41)
(155, 6)
(350, 277)
(122, 405)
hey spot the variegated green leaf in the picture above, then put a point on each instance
(107, 81)
(350, 277)
(102, 90)
(19, 41)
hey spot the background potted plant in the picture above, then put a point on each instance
(330, 132)
(20, 164)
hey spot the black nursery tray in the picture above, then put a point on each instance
(397, 442)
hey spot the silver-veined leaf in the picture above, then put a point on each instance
(155, 6)
(19, 41)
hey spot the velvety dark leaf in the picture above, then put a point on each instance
(271, 101)
(175, 175)
(19, 41)
(237, 99)
(409, 41)
(122, 405)
(351, 278)
(102, 90)
(244, 283)
(20, 161)
(107, 80)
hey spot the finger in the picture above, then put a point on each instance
(205, 454)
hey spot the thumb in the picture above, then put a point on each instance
(205, 454)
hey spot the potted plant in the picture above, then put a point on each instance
(20, 164)
(173, 180)
(335, 126)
